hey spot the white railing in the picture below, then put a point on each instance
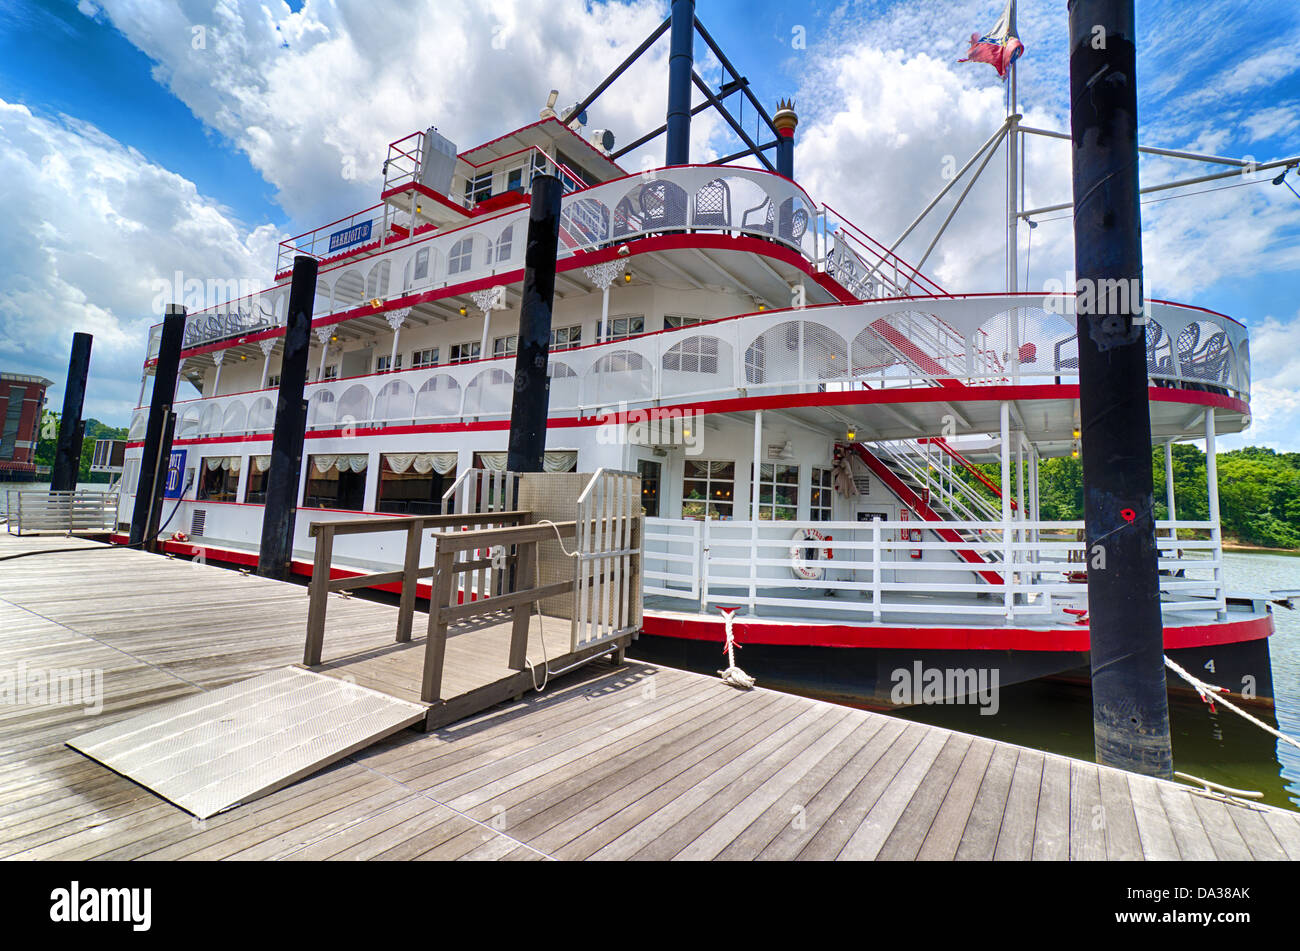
(814, 350)
(735, 201)
(44, 512)
(874, 569)
(607, 593)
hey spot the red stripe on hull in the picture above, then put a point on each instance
(936, 638)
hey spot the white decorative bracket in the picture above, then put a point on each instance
(603, 275)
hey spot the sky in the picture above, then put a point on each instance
(145, 139)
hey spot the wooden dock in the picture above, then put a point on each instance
(637, 761)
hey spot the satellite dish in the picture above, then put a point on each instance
(548, 111)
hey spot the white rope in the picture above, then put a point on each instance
(733, 675)
(1205, 690)
(537, 606)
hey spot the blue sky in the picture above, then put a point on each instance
(130, 150)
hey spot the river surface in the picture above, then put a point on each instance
(1218, 746)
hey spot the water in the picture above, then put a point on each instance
(1218, 746)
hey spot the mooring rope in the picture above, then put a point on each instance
(733, 675)
(1205, 690)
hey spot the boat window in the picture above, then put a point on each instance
(386, 362)
(421, 264)
(696, 355)
(673, 321)
(515, 180)
(258, 473)
(504, 244)
(566, 338)
(478, 187)
(464, 352)
(219, 479)
(819, 509)
(336, 481)
(623, 327)
(562, 338)
(708, 488)
(459, 258)
(649, 471)
(778, 492)
(424, 358)
(413, 482)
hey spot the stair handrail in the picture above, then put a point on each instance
(948, 498)
(965, 464)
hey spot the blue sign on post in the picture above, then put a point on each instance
(175, 475)
(350, 236)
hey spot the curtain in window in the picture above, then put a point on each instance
(496, 461)
(262, 463)
(566, 461)
(400, 461)
(324, 463)
(422, 462)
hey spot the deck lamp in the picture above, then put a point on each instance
(243, 356)
(851, 435)
(1076, 432)
(463, 311)
(334, 338)
(627, 278)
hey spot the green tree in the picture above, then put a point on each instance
(47, 445)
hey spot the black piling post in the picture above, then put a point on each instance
(532, 396)
(1130, 705)
(275, 554)
(157, 444)
(681, 63)
(67, 454)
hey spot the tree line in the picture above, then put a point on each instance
(47, 442)
(1259, 491)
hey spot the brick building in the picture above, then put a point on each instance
(22, 398)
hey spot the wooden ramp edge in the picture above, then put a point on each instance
(212, 751)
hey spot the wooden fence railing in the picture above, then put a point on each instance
(409, 575)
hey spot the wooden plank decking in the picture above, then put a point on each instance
(639, 762)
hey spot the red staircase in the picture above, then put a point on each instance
(921, 509)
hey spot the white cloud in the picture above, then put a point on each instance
(308, 95)
(91, 225)
(1275, 385)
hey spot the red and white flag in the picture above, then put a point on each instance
(1001, 46)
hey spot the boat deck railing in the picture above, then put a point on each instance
(1031, 572)
(811, 350)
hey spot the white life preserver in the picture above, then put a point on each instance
(801, 563)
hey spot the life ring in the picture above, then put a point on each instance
(801, 554)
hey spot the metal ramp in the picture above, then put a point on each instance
(215, 750)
